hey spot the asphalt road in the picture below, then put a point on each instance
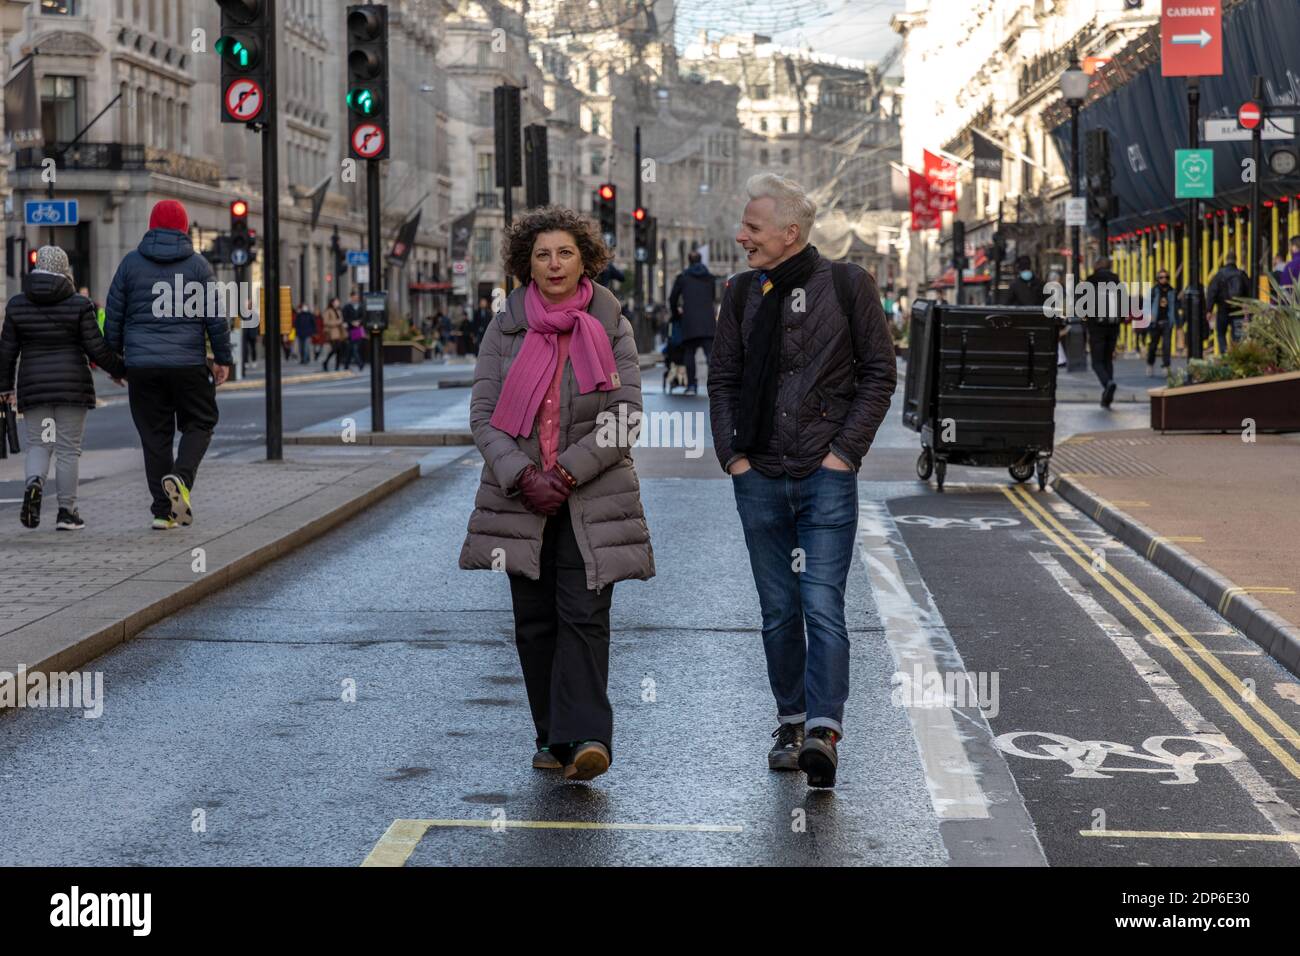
(1112, 721)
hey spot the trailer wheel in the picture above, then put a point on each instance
(925, 464)
(1042, 475)
(940, 472)
(1022, 470)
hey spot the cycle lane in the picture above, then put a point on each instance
(1075, 677)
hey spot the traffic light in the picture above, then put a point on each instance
(607, 212)
(640, 232)
(241, 239)
(538, 192)
(242, 46)
(31, 259)
(959, 244)
(367, 97)
(652, 239)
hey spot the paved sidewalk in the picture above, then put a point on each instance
(70, 595)
(1216, 511)
(1130, 376)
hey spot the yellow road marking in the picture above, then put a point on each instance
(1191, 835)
(1232, 592)
(1229, 704)
(1132, 504)
(403, 836)
(1172, 539)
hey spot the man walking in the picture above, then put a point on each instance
(304, 327)
(801, 376)
(1162, 317)
(482, 319)
(692, 302)
(169, 383)
(1228, 283)
(1103, 326)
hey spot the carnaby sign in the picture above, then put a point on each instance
(1191, 38)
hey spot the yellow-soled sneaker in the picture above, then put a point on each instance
(175, 489)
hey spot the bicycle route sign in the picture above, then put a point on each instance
(51, 212)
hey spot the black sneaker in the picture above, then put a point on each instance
(30, 516)
(69, 521)
(784, 754)
(1108, 395)
(818, 757)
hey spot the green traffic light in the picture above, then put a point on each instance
(364, 101)
(237, 53)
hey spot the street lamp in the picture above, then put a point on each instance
(1074, 89)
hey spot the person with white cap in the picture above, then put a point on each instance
(53, 330)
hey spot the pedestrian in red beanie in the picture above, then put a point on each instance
(170, 384)
(169, 214)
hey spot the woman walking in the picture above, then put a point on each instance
(54, 331)
(559, 505)
(336, 335)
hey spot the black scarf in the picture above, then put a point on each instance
(761, 371)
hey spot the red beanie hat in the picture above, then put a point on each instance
(169, 214)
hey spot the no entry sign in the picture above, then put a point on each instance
(1191, 38)
(1249, 115)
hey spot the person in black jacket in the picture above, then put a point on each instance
(1228, 283)
(692, 301)
(54, 331)
(1103, 325)
(1026, 288)
(162, 314)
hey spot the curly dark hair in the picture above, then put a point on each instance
(517, 245)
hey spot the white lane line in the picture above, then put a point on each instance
(1279, 814)
(912, 629)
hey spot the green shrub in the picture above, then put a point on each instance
(1275, 326)
(1250, 357)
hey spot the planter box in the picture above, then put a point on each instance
(1272, 401)
(404, 353)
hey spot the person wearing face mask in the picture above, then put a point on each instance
(1162, 312)
(554, 410)
(1026, 288)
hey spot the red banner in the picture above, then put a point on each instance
(923, 217)
(942, 176)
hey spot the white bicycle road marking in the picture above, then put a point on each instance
(1087, 758)
(973, 524)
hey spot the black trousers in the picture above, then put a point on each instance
(1102, 339)
(689, 346)
(1161, 332)
(165, 401)
(562, 633)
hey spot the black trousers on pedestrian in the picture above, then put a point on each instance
(562, 634)
(1163, 333)
(165, 401)
(1102, 339)
(688, 349)
(338, 351)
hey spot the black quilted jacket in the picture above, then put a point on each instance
(48, 333)
(835, 387)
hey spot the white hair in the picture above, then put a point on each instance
(792, 203)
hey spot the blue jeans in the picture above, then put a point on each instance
(819, 515)
(304, 349)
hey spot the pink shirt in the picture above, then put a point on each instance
(548, 428)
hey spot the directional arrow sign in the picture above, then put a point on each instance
(1191, 38)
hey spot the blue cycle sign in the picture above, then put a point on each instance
(51, 212)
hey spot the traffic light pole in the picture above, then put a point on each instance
(1193, 294)
(637, 288)
(1256, 204)
(376, 285)
(271, 270)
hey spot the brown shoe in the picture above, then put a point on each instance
(545, 760)
(590, 759)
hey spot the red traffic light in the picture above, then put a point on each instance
(31, 258)
(639, 213)
(239, 209)
(606, 191)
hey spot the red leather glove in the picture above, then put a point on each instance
(543, 492)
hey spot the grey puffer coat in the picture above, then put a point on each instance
(608, 521)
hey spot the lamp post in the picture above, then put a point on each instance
(1074, 89)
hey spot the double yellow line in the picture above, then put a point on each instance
(1113, 581)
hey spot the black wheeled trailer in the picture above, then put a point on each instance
(981, 388)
